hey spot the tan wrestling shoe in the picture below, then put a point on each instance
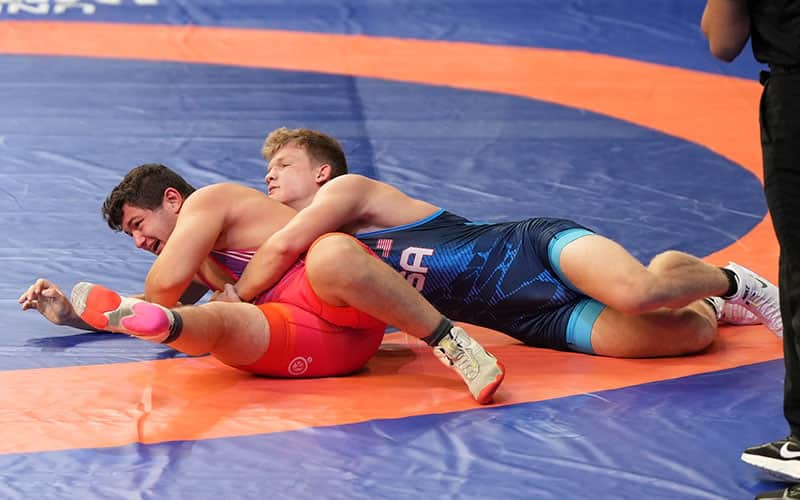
(482, 372)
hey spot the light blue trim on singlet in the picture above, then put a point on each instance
(556, 246)
(401, 228)
(579, 326)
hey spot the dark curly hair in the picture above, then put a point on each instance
(142, 187)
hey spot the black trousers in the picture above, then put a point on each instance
(779, 117)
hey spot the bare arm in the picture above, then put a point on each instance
(196, 231)
(726, 25)
(340, 202)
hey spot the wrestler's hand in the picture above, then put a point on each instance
(50, 301)
(228, 294)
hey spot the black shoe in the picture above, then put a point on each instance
(780, 458)
(790, 492)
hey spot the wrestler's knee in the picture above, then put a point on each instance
(670, 259)
(691, 328)
(335, 259)
(663, 258)
(701, 329)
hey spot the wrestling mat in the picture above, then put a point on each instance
(612, 113)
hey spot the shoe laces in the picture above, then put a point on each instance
(459, 356)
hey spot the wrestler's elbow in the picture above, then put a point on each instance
(164, 290)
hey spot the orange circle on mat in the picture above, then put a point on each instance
(711, 110)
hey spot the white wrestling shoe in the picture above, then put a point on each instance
(106, 310)
(737, 314)
(732, 314)
(482, 372)
(757, 295)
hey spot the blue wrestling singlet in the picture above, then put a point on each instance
(503, 276)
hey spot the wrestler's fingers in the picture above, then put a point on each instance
(40, 285)
(29, 294)
(31, 304)
(51, 293)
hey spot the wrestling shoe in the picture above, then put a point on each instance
(482, 372)
(786, 493)
(737, 314)
(732, 314)
(757, 295)
(106, 310)
(780, 458)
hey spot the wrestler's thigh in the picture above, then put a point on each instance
(602, 269)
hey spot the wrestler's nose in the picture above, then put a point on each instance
(138, 239)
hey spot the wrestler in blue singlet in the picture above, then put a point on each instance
(503, 276)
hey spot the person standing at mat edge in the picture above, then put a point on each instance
(774, 26)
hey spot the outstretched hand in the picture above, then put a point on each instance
(50, 301)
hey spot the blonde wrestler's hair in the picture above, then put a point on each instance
(321, 147)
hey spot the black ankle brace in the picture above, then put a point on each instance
(175, 329)
(733, 283)
(445, 325)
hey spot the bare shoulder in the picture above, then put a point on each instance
(359, 186)
(375, 204)
(350, 182)
(225, 199)
(215, 193)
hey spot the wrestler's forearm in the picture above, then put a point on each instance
(266, 268)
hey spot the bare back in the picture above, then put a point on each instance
(250, 217)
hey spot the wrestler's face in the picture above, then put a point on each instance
(294, 177)
(150, 229)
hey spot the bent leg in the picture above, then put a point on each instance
(235, 333)
(605, 271)
(344, 273)
(665, 332)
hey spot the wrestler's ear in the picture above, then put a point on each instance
(323, 174)
(173, 199)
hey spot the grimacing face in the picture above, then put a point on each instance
(150, 229)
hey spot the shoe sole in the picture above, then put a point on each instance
(486, 396)
(105, 309)
(92, 302)
(775, 468)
